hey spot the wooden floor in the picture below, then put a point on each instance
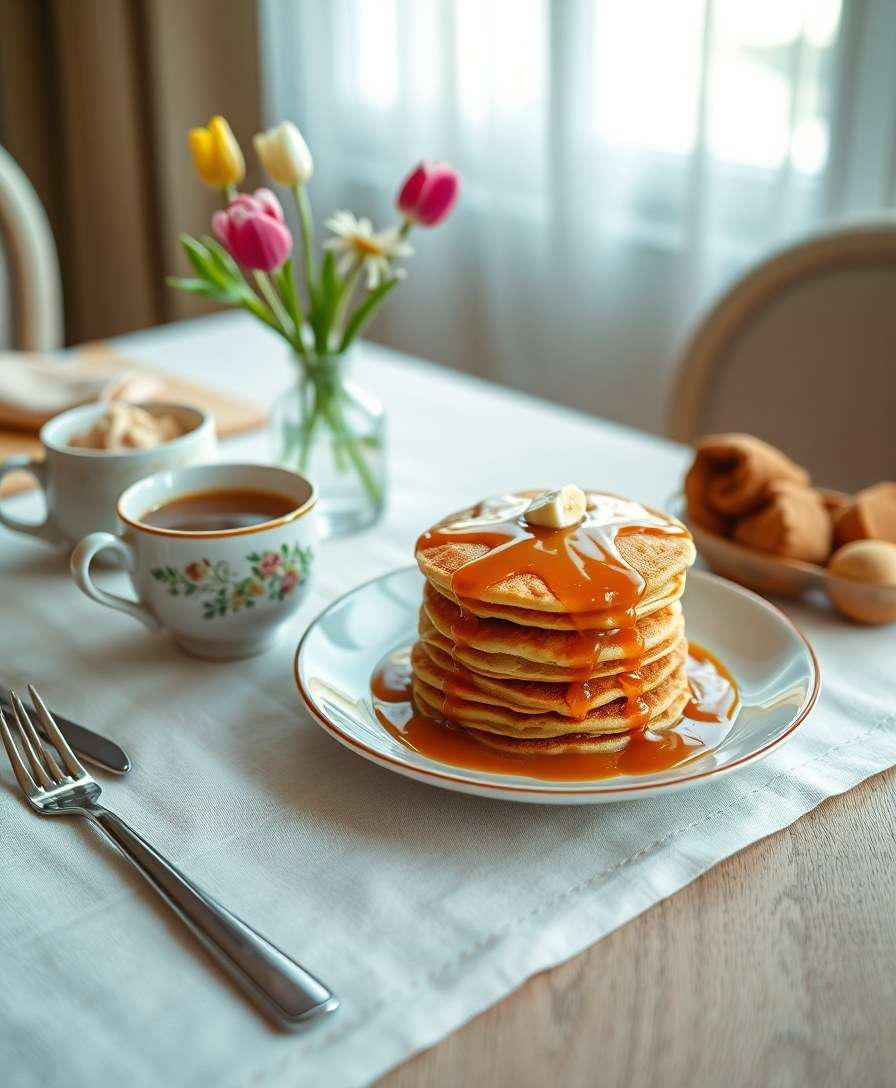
(777, 967)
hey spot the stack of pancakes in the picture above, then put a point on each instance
(519, 671)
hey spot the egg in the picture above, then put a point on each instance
(864, 586)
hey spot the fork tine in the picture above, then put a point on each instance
(19, 769)
(33, 747)
(75, 769)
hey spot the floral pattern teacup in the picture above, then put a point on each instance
(224, 593)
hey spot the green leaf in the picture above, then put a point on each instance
(365, 311)
(330, 280)
(199, 258)
(204, 288)
(328, 297)
(221, 259)
(286, 283)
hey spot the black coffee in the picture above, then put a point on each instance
(210, 511)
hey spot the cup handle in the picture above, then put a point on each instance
(80, 562)
(46, 529)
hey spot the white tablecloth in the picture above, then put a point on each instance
(418, 906)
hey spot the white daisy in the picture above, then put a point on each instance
(357, 242)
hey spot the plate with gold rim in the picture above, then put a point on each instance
(773, 664)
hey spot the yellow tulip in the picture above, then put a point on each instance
(216, 154)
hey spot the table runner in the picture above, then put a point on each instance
(420, 907)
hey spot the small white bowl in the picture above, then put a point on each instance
(81, 486)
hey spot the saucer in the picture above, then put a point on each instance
(773, 664)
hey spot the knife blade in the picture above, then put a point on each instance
(91, 747)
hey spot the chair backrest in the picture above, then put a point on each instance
(30, 260)
(802, 353)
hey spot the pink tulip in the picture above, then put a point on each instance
(253, 230)
(429, 193)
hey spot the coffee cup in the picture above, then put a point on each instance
(222, 592)
(81, 486)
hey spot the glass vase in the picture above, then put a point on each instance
(329, 429)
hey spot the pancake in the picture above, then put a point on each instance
(510, 667)
(564, 621)
(570, 649)
(577, 743)
(435, 667)
(538, 636)
(609, 718)
(658, 557)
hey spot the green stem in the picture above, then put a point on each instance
(305, 442)
(303, 207)
(307, 430)
(365, 312)
(348, 289)
(286, 284)
(229, 193)
(273, 300)
(259, 310)
(333, 415)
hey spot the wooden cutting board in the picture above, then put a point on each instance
(232, 414)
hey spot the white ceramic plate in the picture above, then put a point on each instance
(772, 662)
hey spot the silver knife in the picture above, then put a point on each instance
(90, 746)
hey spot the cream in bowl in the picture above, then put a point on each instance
(125, 427)
(81, 483)
(219, 555)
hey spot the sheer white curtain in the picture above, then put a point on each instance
(623, 160)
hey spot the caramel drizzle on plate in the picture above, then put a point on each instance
(706, 721)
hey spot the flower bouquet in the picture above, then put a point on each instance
(318, 303)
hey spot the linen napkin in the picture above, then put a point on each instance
(35, 387)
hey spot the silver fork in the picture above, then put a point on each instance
(282, 989)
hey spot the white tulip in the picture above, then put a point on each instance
(284, 154)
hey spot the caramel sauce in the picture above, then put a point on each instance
(636, 709)
(391, 683)
(705, 723)
(714, 694)
(465, 628)
(580, 565)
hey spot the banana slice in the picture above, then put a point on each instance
(558, 509)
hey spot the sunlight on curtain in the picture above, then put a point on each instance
(622, 159)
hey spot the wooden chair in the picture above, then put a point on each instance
(802, 352)
(31, 267)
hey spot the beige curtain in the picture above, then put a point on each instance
(96, 97)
